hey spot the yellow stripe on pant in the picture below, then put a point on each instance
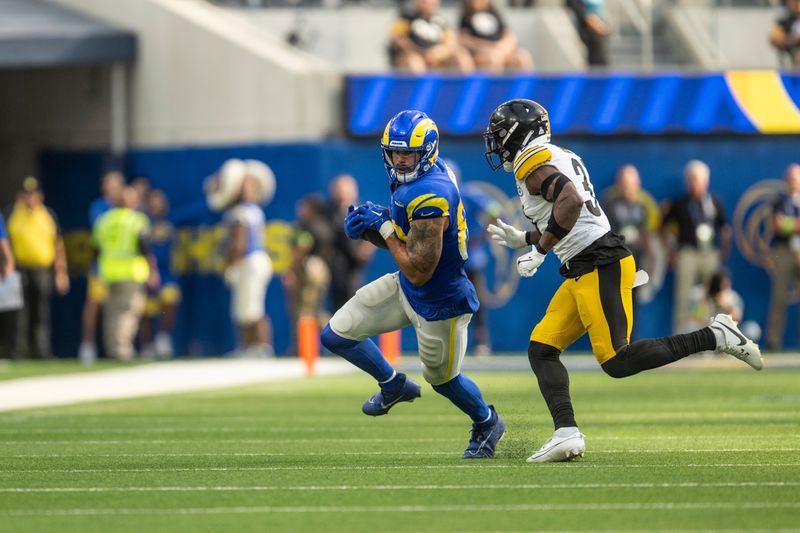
(600, 302)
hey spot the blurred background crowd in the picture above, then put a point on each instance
(134, 291)
(174, 179)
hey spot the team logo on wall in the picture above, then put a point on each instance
(752, 221)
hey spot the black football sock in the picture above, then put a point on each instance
(553, 382)
(653, 353)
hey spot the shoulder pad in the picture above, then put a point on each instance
(531, 158)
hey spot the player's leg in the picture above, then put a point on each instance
(604, 300)
(559, 328)
(375, 309)
(442, 345)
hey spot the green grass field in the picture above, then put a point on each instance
(669, 450)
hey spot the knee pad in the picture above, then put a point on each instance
(344, 321)
(334, 342)
(435, 375)
(617, 366)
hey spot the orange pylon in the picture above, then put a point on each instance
(308, 342)
(390, 346)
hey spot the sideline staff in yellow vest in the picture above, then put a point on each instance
(39, 252)
(124, 265)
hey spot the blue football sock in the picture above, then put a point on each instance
(466, 395)
(364, 354)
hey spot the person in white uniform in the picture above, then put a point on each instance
(557, 197)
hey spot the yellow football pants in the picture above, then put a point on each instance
(600, 302)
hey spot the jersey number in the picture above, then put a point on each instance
(592, 204)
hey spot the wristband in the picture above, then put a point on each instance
(540, 249)
(529, 238)
(386, 230)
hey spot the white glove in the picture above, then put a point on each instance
(528, 264)
(507, 235)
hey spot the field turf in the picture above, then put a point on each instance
(669, 450)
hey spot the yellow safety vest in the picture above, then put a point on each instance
(116, 235)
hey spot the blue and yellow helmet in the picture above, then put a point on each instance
(412, 132)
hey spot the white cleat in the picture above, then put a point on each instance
(565, 445)
(735, 343)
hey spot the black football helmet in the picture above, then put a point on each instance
(514, 124)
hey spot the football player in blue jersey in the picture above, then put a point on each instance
(425, 231)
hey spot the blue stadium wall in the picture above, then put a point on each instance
(70, 180)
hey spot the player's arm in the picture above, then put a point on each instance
(418, 256)
(567, 203)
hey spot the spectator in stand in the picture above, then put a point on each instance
(634, 214)
(349, 256)
(308, 278)
(111, 187)
(42, 263)
(703, 239)
(6, 267)
(785, 34)
(785, 255)
(125, 264)
(420, 40)
(162, 300)
(593, 29)
(491, 43)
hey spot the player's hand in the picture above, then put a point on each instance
(354, 224)
(377, 218)
(507, 235)
(528, 264)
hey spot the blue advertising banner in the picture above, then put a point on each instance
(739, 168)
(742, 102)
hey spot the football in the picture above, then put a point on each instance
(375, 238)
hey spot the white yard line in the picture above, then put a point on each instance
(155, 379)
(374, 509)
(378, 467)
(346, 488)
(356, 453)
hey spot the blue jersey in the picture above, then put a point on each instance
(162, 236)
(448, 293)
